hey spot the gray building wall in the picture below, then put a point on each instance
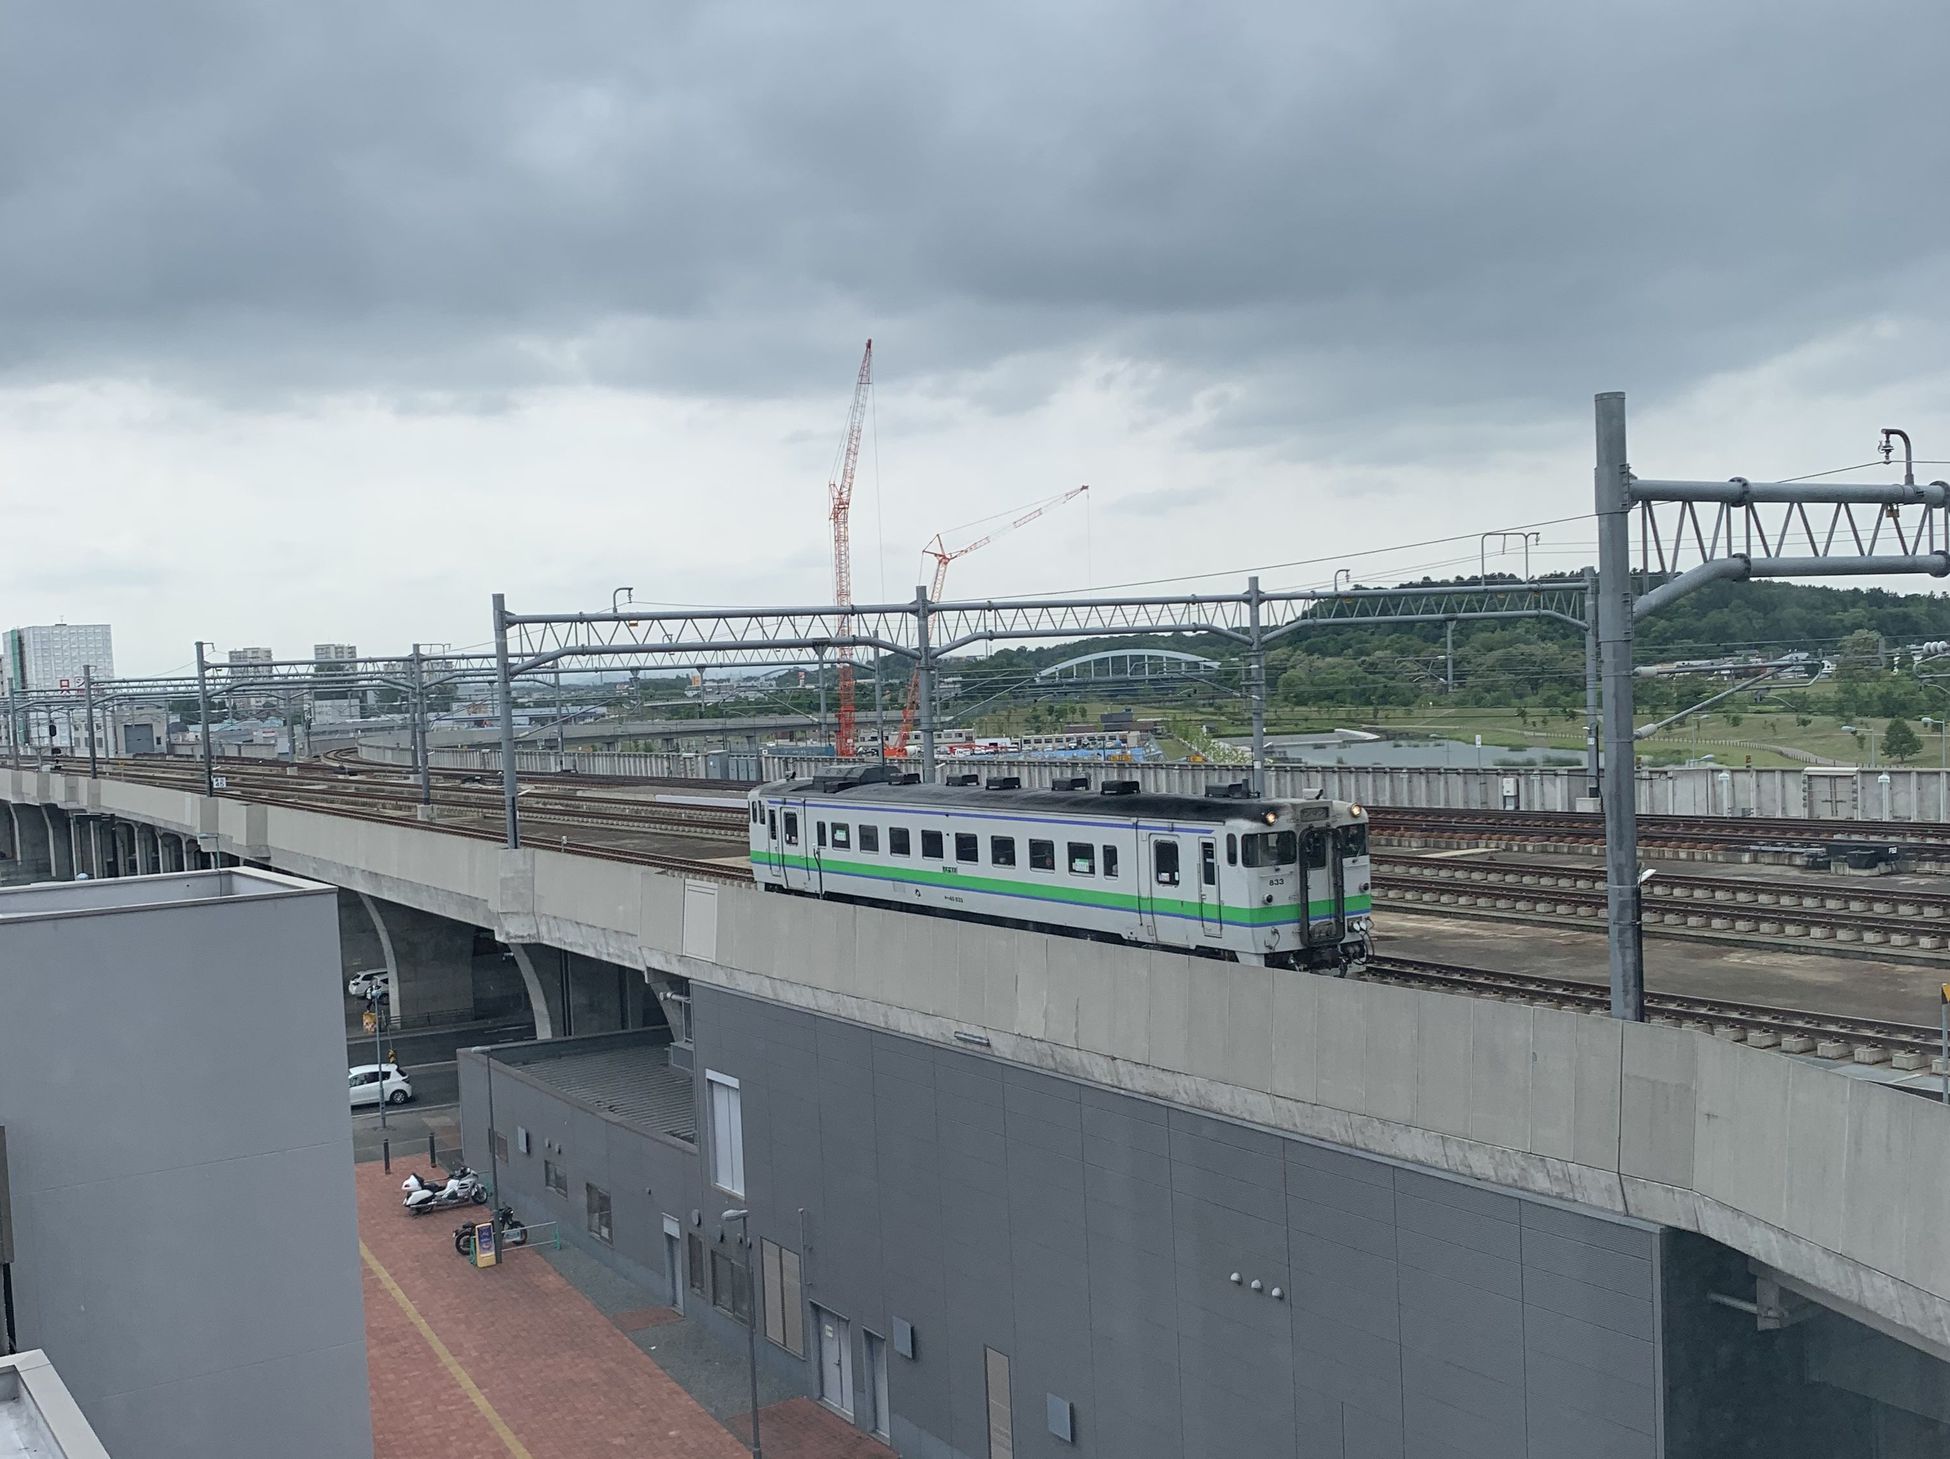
(1093, 1237)
(179, 1148)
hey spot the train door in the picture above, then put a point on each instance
(1160, 881)
(800, 860)
(1209, 916)
(1326, 891)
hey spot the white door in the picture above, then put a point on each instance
(365, 1088)
(835, 1362)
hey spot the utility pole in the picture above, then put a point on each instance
(1613, 483)
(924, 676)
(88, 713)
(504, 683)
(203, 715)
(1591, 725)
(419, 731)
(1256, 683)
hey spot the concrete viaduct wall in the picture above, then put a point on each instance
(1835, 1184)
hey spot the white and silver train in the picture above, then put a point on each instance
(1282, 883)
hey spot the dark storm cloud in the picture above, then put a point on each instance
(1323, 216)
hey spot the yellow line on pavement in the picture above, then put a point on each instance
(447, 1359)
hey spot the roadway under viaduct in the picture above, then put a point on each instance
(1830, 1186)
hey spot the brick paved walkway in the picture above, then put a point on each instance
(799, 1428)
(515, 1363)
(511, 1362)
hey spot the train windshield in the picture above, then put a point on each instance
(1270, 848)
(1354, 840)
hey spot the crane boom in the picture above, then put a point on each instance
(839, 505)
(943, 555)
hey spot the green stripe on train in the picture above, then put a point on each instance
(1356, 905)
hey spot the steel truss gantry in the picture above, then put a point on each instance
(923, 632)
(1692, 533)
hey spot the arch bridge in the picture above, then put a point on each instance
(1126, 664)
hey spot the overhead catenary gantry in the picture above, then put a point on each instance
(924, 633)
(1692, 533)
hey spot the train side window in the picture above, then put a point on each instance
(968, 849)
(1354, 840)
(1164, 862)
(772, 824)
(931, 845)
(870, 838)
(1110, 861)
(754, 813)
(1083, 859)
(1208, 863)
(792, 828)
(898, 841)
(1002, 850)
(1232, 848)
(842, 836)
(1042, 856)
(819, 829)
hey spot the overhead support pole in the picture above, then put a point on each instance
(1449, 656)
(1591, 724)
(504, 686)
(1256, 682)
(419, 711)
(1613, 489)
(203, 715)
(925, 677)
(88, 714)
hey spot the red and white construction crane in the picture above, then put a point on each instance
(943, 555)
(839, 503)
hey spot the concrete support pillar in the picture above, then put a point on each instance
(95, 866)
(146, 843)
(430, 958)
(77, 854)
(547, 1011)
(60, 850)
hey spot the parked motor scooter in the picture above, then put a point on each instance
(512, 1232)
(461, 1187)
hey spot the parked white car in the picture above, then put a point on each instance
(364, 985)
(372, 1083)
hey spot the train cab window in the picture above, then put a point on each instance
(1042, 856)
(1316, 849)
(1208, 863)
(968, 849)
(842, 836)
(870, 839)
(1354, 840)
(898, 841)
(792, 828)
(1083, 859)
(754, 813)
(1164, 863)
(1002, 850)
(772, 824)
(1271, 848)
(819, 827)
(1232, 849)
(1110, 861)
(931, 845)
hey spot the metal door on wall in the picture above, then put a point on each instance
(674, 1261)
(835, 1362)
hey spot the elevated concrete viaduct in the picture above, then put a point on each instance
(1827, 1186)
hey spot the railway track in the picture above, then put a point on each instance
(1718, 833)
(1863, 1040)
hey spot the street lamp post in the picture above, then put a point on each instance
(379, 1063)
(744, 1219)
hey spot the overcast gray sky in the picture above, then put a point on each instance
(324, 323)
